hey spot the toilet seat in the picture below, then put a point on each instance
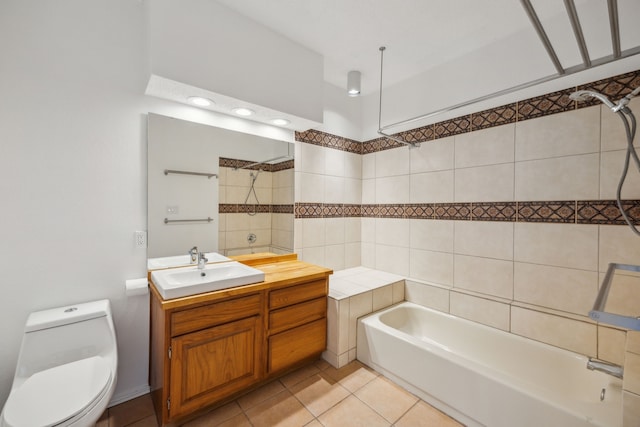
(61, 393)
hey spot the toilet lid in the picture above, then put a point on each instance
(52, 396)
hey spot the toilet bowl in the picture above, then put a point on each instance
(67, 368)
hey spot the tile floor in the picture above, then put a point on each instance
(315, 395)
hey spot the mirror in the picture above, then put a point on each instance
(220, 190)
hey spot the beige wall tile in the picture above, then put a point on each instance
(333, 325)
(569, 334)
(398, 291)
(309, 187)
(431, 187)
(611, 343)
(352, 230)
(431, 235)
(485, 275)
(334, 257)
(392, 162)
(382, 297)
(313, 232)
(359, 305)
(611, 164)
(368, 191)
(485, 147)
(427, 295)
(555, 287)
(484, 183)
(561, 245)
(433, 156)
(310, 158)
(368, 229)
(368, 255)
(313, 255)
(430, 266)
(369, 166)
(334, 189)
(619, 245)
(561, 178)
(394, 189)
(624, 294)
(352, 255)
(487, 312)
(392, 259)
(352, 191)
(334, 162)
(334, 229)
(613, 133)
(352, 165)
(633, 341)
(630, 409)
(483, 238)
(572, 132)
(631, 380)
(392, 231)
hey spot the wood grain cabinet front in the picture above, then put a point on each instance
(208, 349)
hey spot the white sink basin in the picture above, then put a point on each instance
(185, 281)
(182, 260)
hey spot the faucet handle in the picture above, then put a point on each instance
(194, 253)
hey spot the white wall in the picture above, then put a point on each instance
(73, 167)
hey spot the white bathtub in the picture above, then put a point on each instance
(483, 376)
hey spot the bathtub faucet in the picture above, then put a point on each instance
(607, 368)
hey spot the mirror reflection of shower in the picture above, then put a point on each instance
(252, 190)
(629, 122)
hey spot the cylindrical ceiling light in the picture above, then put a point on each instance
(353, 83)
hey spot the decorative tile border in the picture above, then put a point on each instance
(231, 208)
(266, 167)
(551, 103)
(563, 212)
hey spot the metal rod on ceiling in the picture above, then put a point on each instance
(380, 128)
(577, 31)
(612, 5)
(533, 16)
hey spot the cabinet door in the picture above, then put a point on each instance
(211, 364)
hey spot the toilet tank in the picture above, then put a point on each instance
(62, 335)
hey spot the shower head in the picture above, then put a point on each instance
(583, 95)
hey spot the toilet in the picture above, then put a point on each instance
(67, 368)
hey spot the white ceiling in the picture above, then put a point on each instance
(422, 35)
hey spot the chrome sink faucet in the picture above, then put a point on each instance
(194, 254)
(202, 260)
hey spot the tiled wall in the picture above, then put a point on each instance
(505, 216)
(272, 223)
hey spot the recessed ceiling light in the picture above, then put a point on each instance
(200, 101)
(243, 111)
(280, 122)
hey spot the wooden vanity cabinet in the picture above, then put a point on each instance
(210, 348)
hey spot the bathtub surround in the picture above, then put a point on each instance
(273, 222)
(505, 217)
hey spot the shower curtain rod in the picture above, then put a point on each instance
(561, 72)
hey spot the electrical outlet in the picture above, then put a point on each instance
(141, 239)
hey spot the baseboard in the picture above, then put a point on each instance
(128, 395)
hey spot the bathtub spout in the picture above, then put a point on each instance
(607, 368)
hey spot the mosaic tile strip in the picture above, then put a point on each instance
(556, 102)
(494, 211)
(324, 139)
(588, 212)
(452, 211)
(556, 211)
(614, 87)
(308, 210)
(452, 127)
(607, 212)
(282, 209)
(238, 163)
(231, 208)
(419, 211)
(544, 105)
(494, 117)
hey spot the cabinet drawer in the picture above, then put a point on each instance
(292, 346)
(297, 293)
(297, 315)
(214, 314)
